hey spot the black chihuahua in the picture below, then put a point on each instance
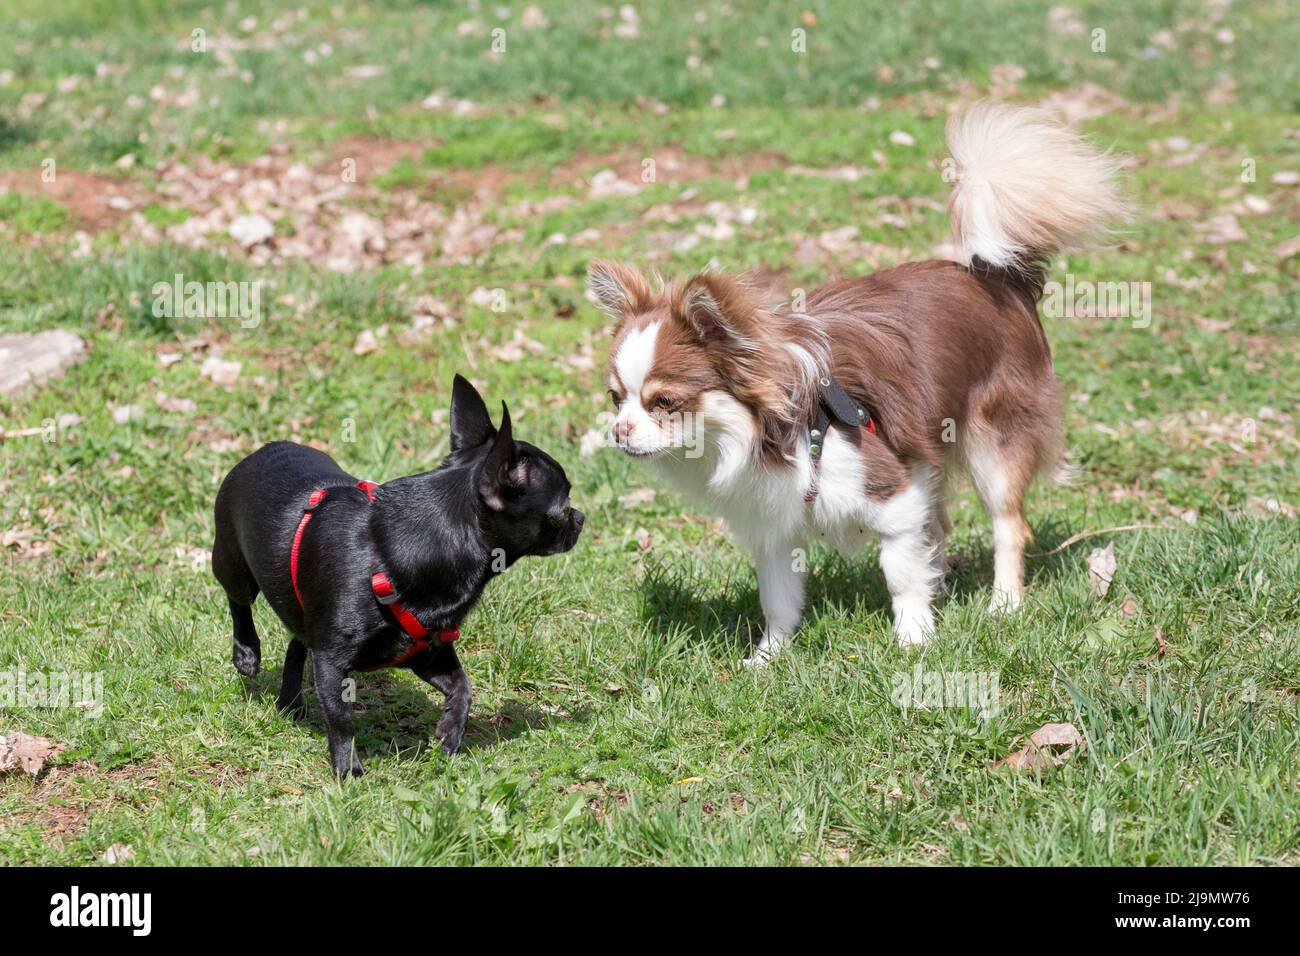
(368, 576)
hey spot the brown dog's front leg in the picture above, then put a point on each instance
(440, 667)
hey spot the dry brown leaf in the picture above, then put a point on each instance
(517, 348)
(1285, 250)
(220, 371)
(169, 403)
(1224, 229)
(118, 853)
(19, 750)
(638, 496)
(366, 343)
(1161, 643)
(1048, 746)
(1101, 569)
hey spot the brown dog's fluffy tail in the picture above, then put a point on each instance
(1026, 188)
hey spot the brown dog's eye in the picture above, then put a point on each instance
(615, 397)
(663, 402)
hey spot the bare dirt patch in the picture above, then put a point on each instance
(96, 202)
(671, 165)
(59, 804)
(372, 156)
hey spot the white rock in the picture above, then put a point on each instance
(252, 229)
(118, 853)
(220, 371)
(607, 183)
(366, 343)
(125, 413)
(363, 233)
(33, 359)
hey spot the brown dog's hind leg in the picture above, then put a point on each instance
(1002, 468)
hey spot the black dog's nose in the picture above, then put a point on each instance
(576, 519)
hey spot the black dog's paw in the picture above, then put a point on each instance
(246, 660)
(353, 769)
(296, 708)
(451, 731)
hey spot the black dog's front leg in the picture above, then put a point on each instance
(440, 667)
(290, 700)
(338, 715)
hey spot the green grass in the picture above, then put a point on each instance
(31, 214)
(611, 722)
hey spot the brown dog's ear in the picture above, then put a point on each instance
(719, 308)
(618, 290)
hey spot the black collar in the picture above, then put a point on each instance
(835, 405)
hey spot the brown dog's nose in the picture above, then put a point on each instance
(621, 431)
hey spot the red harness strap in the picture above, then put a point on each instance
(382, 587)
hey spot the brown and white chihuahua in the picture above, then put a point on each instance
(942, 363)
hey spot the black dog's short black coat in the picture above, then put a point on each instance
(440, 537)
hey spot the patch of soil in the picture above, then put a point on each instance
(57, 804)
(373, 156)
(96, 202)
(672, 165)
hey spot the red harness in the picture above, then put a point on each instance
(385, 593)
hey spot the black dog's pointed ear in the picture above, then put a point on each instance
(470, 425)
(505, 473)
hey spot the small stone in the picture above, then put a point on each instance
(220, 371)
(366, 343)
(251, 230)
(118, 853)
(125, 413)
(33, 359)
(534, 19)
